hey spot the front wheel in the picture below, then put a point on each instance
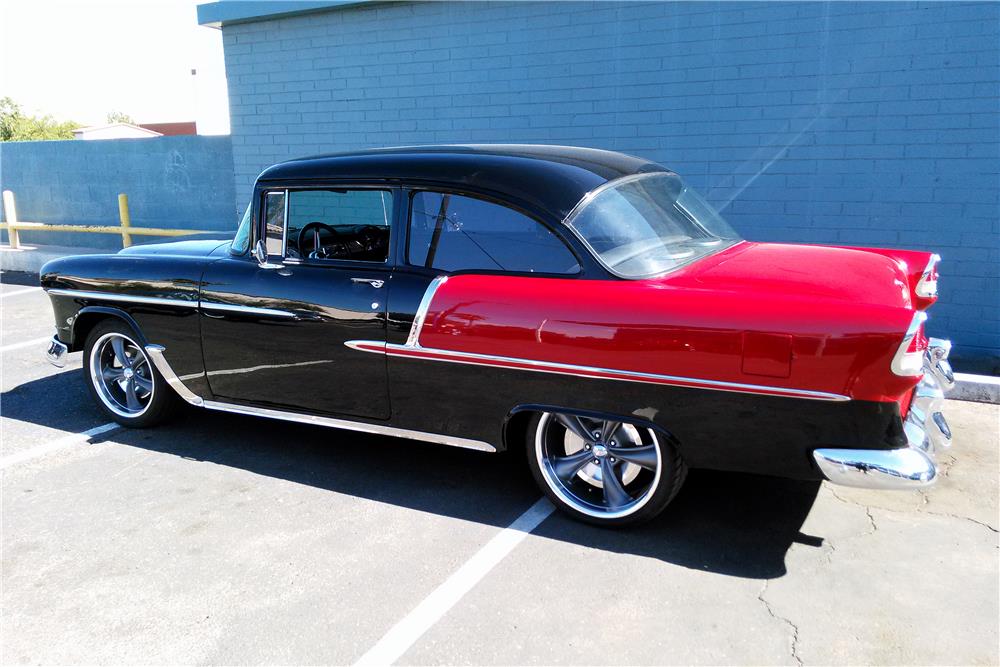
(122, 380)
(603, 471)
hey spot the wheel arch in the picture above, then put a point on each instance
(90, 316)
(516, 422)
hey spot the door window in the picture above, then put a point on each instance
(339, 224)
(452, 233)
(274, 223)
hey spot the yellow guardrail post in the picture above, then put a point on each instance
(10, 213)
(125, 219)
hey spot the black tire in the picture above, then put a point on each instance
(138, 397)
(646, 463)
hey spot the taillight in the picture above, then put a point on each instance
(909, 358)
(927, 285)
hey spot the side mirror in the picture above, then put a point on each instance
(260, 254)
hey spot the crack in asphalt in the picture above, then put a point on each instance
(795, 628)
(868, 511)
(871, 518)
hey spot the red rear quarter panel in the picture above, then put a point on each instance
(796, 317)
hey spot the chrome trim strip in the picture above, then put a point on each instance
(925, 287)
(361, 427)
(128, 298)
(252, 310)
(425, 303)
(899, 360)
(474, 359)
(155, 352)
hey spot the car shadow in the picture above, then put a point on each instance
(729, 523)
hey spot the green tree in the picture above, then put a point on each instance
(119, 117)
(16, 126)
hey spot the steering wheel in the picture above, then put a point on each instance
(371, 238)
(315, 228)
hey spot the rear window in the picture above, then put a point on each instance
(641, 226)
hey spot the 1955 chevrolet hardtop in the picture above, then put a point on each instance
(583, 306)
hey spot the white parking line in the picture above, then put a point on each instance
(405, 633)
(18, 292)
(26, 343)
(61, 443)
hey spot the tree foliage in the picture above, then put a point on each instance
(119, 117)
(15, 125)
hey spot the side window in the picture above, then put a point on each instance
(274, 222)
(339, 224)
(452, 233)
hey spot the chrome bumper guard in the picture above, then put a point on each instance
(926, 431)
(56, 352)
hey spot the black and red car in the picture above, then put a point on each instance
(584, 306)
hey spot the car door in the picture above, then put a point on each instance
(273, 332)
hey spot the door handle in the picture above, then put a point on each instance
(373, 282)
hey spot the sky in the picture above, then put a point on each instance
(81, 60)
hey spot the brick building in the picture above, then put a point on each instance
(827, 122)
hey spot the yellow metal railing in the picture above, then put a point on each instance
(125, 228)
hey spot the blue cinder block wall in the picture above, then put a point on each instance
(823, 122)
(183, 182)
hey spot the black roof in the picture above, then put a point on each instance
(550, 178)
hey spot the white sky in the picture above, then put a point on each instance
(80, 60)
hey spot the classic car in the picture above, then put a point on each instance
(584, 307)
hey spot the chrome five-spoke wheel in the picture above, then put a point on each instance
(604, 470)
(122, 375)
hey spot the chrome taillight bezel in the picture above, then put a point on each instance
(906, 363)
(927, 285)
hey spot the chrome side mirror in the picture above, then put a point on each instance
(260, 254)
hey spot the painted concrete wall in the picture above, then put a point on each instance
(852, 123)
(181, 182)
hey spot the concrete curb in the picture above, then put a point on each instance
(978, 388)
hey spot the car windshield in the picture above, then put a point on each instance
(646, 225)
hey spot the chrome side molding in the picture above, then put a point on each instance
(249, 310)
(127, 298)
(361, 427)
(155, 353)
(417, 351)
(413, 339)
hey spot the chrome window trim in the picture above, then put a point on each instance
(156, 352)
(593, 372)
(127, 298)
(425, 303)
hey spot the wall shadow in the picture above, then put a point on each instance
(735, 524)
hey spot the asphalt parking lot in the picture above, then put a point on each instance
(230, 539)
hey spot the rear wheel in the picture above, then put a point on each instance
(603, 471)
(121, 378)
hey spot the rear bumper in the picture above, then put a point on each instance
(926, 432)
(56, 352)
